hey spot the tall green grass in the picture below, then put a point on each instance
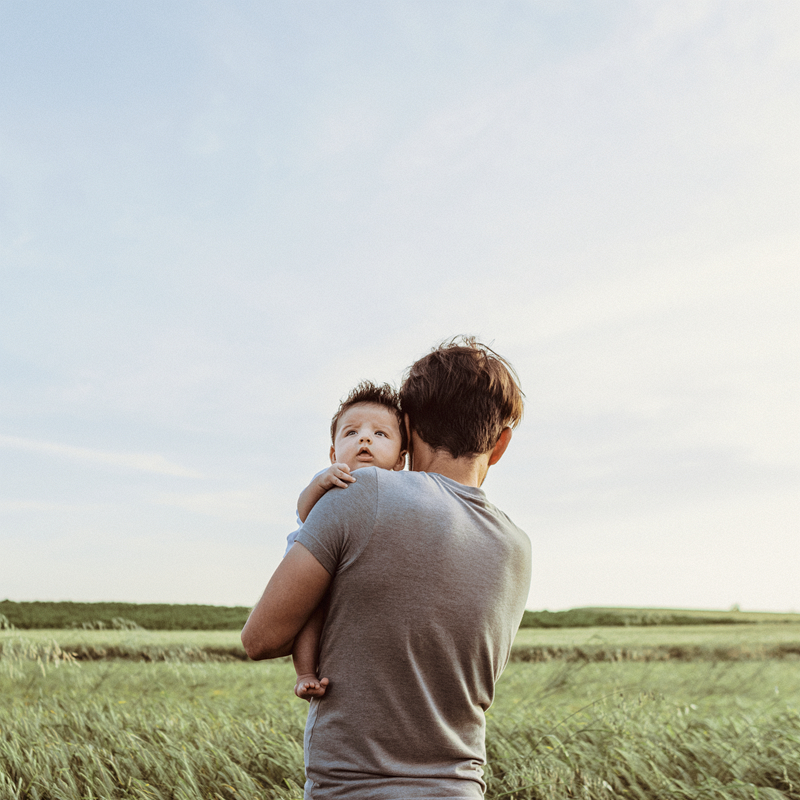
(647, 730)
(136, 730)
(187, 729)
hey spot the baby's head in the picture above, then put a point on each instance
(368, 429)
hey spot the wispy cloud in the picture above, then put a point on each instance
(141, 462)
(252, 505)
(609, 198)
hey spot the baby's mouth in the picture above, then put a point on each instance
(364, 451)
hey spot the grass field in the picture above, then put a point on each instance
(661, 643)
(190, 726)
(697, 642)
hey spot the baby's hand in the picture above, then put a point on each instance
(309, 686)
(336, 475)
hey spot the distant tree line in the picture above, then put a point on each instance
(165, 616)
(152, 616)
(606, 617)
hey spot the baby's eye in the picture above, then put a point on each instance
(380, 433)
(350, 433)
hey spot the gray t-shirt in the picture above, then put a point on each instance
(429, 585)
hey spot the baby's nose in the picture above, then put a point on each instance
(365, 437)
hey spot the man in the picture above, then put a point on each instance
(425, 584)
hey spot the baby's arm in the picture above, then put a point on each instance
(305, 652)
(336, 475)
(305, 655)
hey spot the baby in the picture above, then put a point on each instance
(367, 431)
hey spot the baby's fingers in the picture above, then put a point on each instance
(342, 478)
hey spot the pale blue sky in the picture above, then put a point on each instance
(216, 218)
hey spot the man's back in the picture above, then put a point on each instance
(430, 582)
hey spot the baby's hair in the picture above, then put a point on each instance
(369, 392)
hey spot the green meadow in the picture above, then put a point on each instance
(770, 640)
(649, 712)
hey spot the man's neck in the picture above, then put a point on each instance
(467, 470)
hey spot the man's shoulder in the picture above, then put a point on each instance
(354, 503)
(386, 479)
(341, 521)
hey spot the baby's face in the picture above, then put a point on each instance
(368, 435)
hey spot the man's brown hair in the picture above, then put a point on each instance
(460, 396)
(368, 392)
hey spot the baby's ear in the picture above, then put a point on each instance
(333, 454)
(400, 464)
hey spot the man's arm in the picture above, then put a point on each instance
(295, 589)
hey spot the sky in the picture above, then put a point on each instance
(216, 218)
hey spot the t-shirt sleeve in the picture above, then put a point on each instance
(340, 525)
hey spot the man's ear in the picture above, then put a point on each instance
(333, 455)
(400, 464)
(407, 423)
(500, 446)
